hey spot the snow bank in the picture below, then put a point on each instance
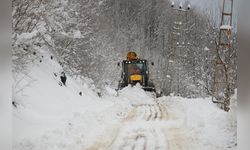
(136, 95)
(42, 103)
(207, 126)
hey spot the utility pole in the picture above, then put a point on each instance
(222, 82)
(179, 43)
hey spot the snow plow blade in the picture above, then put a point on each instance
(150, 89)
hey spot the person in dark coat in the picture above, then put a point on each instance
(63, 78)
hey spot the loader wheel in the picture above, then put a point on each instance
(121, 85)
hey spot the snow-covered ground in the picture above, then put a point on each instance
(54, 117)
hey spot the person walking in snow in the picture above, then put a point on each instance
(63, 78)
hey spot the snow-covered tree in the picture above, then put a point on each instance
(89, 37)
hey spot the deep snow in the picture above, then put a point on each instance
(50, 116)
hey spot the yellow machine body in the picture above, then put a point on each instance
(136, 77)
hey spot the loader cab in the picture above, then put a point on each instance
(133, 72)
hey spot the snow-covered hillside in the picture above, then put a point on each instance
(50, 116)
(47, 111)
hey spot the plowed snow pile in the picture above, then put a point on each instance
(49, 116)
(205, 126)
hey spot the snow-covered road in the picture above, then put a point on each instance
(145, 128)
(135, 136)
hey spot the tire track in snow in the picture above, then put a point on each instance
(140, 130)
(136, 137)
(149, 109)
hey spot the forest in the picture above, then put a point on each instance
(89, 38)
